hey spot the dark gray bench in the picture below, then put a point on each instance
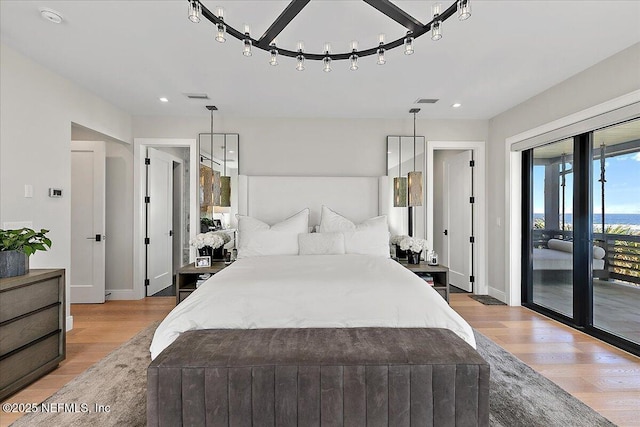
(313, 377)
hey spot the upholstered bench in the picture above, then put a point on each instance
(313, 377)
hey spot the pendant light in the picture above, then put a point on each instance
(400, 183)
(415, 177)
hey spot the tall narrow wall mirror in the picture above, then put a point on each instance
(219, 162)
(402, 158)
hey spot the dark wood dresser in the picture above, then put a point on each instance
(32, 327)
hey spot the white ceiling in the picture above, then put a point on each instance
(133, 52)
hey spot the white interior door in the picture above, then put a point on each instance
(458, 219)
(87, 221)
(160, 221)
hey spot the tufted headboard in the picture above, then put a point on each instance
(274, 198)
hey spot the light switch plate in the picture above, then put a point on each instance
(28, 190)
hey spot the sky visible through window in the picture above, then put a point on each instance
(622, 189)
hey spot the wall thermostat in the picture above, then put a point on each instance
(55, 192)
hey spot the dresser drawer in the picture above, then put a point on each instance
(18, 301)
(22, 363)
(29, 328)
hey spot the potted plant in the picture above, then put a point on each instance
(395, 241)
(211, 244)
(15, 248)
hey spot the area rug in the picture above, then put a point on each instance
(519, 396)
(486, 299)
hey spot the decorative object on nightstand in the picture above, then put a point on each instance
(395, 241)
(414, 247)
(432, 258)
(15, 248)
(189, 277)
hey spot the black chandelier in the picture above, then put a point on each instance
(268, 42)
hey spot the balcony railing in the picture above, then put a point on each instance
(622, 259)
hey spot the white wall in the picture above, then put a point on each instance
(37, 108)
(338, 147)
(613, 77)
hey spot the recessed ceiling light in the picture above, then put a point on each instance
(163, 99)
(51, 15)
(457, 105)
(231, 151)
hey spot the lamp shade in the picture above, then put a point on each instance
(400, 192)
(225, 191)
(415, 188)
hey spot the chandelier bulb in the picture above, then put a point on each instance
(381, 58)
(327, 64)
(464, 9)
(195, 10)
(436, 27)
(273, 60)
(381, 38)
(246, 49)
(220, 36)
(300, 61)
(354, 62)
(436, 31)
(220, 12)
(408, 44)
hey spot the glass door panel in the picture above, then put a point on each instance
(552, 196)
(616, 230)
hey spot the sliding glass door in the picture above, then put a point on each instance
(581, 232)
(616, 230)
(552, 198)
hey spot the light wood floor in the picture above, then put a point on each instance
(603, 377)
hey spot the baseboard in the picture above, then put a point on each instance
(121, 294)
(69, 323)
(500, 295)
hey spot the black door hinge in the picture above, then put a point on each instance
(146, 240)
(472, 163)
(472, 199)
(472, 279)
(146, 282)
(147, 199)
(147, 161)
(472, 239)
(170, 233)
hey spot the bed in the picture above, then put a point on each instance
(394, 341)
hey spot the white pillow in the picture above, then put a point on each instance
(321, 244)
(565, 246)
(370, 237)
(256, 238)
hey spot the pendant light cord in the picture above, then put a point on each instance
(414, 142)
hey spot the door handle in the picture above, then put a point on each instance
(97, 238)
(445, 232)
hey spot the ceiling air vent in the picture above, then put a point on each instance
(196, 95)
(426, 101)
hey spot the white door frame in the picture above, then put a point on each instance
(139, 179)
(480, 224)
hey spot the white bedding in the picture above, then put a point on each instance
(315, 291)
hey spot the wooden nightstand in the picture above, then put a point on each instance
(187, 276)
(440, 274)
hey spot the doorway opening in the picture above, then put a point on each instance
(456, 225)
(165, 211)
(164, 218)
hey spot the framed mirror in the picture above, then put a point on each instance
(403, 157)
(218, 176)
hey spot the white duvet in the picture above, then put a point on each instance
(314, 291)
